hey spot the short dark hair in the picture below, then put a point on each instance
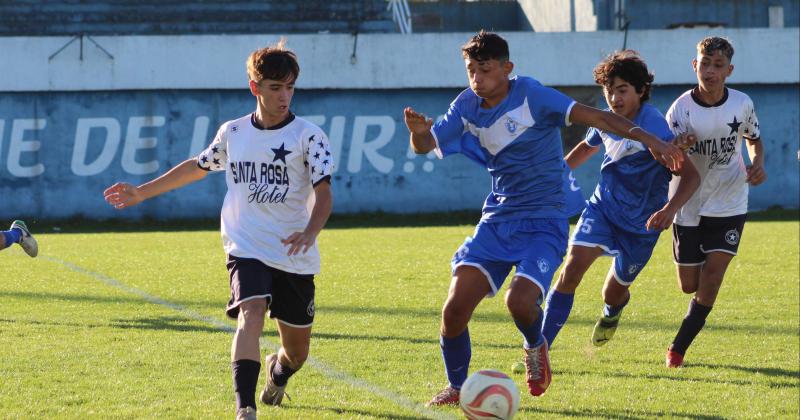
(628, 66)
(486, 46)
(274, 62)
(712, 44)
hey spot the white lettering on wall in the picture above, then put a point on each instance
(134, 142)
(199, 136)
(360, 146)
(18, 146)
(109, 150)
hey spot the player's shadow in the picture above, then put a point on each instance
(35, 322)
(673, 377)
(351, 412)
(786, 373)
(165, 323)
(50, 298)
(616, 414)
(371, 338)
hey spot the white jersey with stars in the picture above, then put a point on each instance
(717, 155)
(270, 174)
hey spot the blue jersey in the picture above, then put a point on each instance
(633, 185)
(519, 142)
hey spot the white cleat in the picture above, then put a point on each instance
(27, 241)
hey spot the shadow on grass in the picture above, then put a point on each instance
(617, 414)
(786, 373)
(48, 297)
(350, 412)
(164, 323)
(337, 221)
(484, 316)
(675, 377)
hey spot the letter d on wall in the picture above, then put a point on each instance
(110, 145)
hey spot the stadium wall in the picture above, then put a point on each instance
(71, 127)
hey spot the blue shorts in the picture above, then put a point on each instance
(631, 251)
(535, 246)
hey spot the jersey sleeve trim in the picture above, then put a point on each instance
(323, 179)
(567, 121)
(437, 150)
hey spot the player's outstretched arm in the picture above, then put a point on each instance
(123, 195)
(580, 154)
(666, 153)
(684, 141)
(690, 181)
(419, 126)
(756, 173)
(323, 204)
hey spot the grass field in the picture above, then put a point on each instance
(130, 324)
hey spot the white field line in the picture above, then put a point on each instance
(322, 367)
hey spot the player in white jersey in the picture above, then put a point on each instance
(275, 166)
(708, 228)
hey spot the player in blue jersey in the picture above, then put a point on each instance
(512, 128)
(18, 233)
(629, 208)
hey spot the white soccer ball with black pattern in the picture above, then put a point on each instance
(489, 394)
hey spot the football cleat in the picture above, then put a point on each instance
(447, 396)
(674, 359)
(604, 329)
(246, 413)
(272, 394)
(537, 369)
(26, 240)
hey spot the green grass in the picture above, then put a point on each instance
(81, 335)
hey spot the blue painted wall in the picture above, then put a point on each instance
(58, 151)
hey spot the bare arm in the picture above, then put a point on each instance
(123, 195)
(666, 153)
(690, 181)
(323, 203)
(756, 172)
(419, 126)
(580, 154)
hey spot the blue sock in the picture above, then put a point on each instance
(612, 311)
(11, 236)
(456, 352)
(559, 305)
(533, 332)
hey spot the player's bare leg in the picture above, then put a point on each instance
(710, 281)
(615, 295)
(689, 277)
(246, 355)
(467, 288)
(521, 299)
(559, 301)
(295, 344)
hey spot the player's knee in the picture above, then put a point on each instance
(518, 305)
(252, 315)
(569, 279)
(297, 357)
(454, 318)
(689, 288)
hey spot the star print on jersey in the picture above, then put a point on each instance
(281, 153)
(734, 125)
(318, 156)
(215, 156)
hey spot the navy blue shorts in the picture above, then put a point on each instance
(289, 296)
(690, 244)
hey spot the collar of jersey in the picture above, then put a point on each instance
(700, 102)
(278, 126)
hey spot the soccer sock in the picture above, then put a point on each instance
(245, 381)
(533, 332)
(690, 327)
(456, 353)
(281, 374)
(11, 237)
(559, 305)
(610, 311)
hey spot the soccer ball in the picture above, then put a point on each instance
(489, 394)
